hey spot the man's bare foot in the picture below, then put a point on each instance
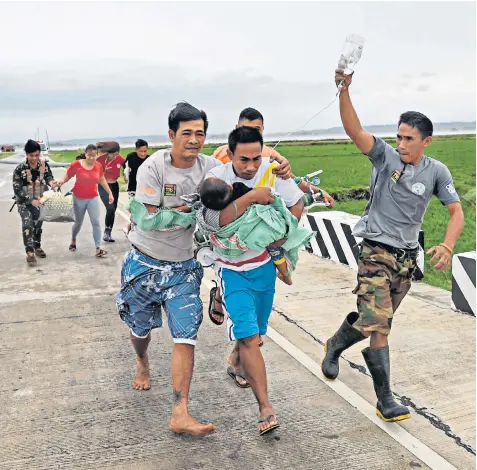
(268, 420)
(142, 381)
(187, 424)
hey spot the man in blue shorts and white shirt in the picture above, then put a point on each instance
(248, 282)
(160, 270)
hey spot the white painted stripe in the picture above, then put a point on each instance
(314, 244)
(326, 239)
(464, 282)
(344, 244)
(399, 434)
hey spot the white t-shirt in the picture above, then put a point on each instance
(287, 189)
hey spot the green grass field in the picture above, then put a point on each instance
(346, 169)
(6, 154)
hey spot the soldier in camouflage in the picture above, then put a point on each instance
(404, 181)
(30, 179)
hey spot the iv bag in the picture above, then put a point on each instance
(351, 53)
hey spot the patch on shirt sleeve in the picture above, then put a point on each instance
(150, 191)
(450, 188)
(170, 190)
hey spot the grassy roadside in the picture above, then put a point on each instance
(347, 171)
(6, 154)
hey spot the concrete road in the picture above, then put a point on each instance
(66, 366)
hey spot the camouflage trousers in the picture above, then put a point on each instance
(384, 279)
(31, 226)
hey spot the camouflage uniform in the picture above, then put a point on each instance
(384, 279)
(29, 184)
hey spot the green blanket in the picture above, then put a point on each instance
(257, 228)
(165, 220)
(260, 226)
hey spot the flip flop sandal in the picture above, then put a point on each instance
(234, 376)
(101, 254)
(72, 247)
(212, 311)
(271, 428)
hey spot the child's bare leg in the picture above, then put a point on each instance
(283, 275)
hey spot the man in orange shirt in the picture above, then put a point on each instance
(250, 117)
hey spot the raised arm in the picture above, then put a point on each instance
(362, 139)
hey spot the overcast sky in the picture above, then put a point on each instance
(116, 68)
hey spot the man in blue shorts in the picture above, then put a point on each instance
(247, 282)
(160, 270)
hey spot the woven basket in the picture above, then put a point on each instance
(57, 208)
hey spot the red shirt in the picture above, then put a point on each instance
(86, 184)
(112, 169)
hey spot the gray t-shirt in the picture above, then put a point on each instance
(401, 195)
(161, 184)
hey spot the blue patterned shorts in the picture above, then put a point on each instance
(148, 284)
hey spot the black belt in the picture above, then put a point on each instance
(399, 253)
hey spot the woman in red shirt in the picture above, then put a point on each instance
(111, 162)
(88, 174)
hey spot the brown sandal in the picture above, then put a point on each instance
(101, 253)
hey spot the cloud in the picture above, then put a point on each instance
(402, 85)
(145, 98)
(423, 87)
(77, 78)
(156, 86)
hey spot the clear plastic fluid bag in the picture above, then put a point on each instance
(351, 53)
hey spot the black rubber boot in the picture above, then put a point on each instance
(107, 235)
(344, 338)
(377, 360)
